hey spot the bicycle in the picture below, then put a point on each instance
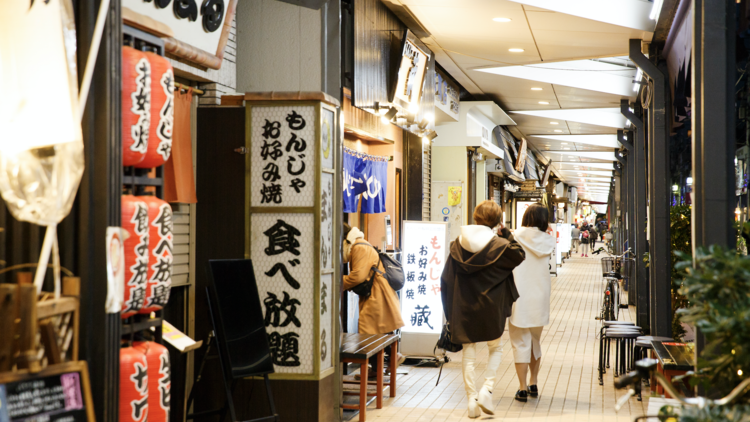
(612, 271)
(646, 367)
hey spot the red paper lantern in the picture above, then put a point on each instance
(136, 105)
(162, 112)
(135, 220)
(159, 381)
(159, 253)
(133, 385)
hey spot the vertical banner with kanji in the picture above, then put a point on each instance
(423, 258)
(290, 202)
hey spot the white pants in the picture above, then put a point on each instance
(585, 248)
(523, 341)
(469, 361)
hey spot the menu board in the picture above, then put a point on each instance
(423, 258)
(60, 393)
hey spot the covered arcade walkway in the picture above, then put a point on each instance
(569, 390)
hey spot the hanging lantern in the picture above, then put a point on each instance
(159, 254)
(162, 112)
(41, 146)
(159, 381)
(136, 105)
(134, 381)
(135, 220)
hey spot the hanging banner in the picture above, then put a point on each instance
(366, 175)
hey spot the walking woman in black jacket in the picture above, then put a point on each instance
(478, 292)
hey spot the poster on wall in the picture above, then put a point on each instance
(447, 206)
(521, 207)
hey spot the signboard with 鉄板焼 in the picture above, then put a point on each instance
(423, 258)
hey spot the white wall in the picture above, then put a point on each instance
(278, 47)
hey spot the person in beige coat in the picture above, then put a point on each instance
(380, 312)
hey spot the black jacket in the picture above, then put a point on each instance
(478, 289)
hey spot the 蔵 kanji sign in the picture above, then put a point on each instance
(423, 258)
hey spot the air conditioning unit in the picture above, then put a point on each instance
(572, 194)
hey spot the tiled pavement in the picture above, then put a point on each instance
(569, 388)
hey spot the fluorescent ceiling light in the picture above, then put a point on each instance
(554, 123)
(502, 19)
(628, 13)
(609, 141)
(605, 166)
(544, 102)
(590, 172)
(558, 130)
(609, 117)
(597, 155)
(655, 10)
(566, 148)
(536, 89)
(637, 81)
(584, 74)
(516, 50)
(592, 179)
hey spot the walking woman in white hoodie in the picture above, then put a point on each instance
(478, 291)
(531, 310)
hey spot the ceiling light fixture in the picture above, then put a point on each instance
(655, 10)
(637, 81)
(559, 131)
(536, 89)
(502, 20)
(516, 50)
(544, 102)
(554, 123)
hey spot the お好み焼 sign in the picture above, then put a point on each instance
(193, 30)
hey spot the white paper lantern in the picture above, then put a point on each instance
(41, 144)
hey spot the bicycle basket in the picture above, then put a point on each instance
(626, 267)
(608, 265)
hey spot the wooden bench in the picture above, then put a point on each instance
(358, 348)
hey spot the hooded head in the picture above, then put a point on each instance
(350, 236)
(533, 235)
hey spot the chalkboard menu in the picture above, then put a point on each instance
(60, 393)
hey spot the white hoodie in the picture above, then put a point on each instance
(474, 238)
(532, 278)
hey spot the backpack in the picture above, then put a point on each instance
(394, 272)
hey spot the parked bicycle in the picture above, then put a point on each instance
(646, 368)
(615, 269)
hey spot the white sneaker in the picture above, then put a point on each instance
(484, 400)
(474, 411)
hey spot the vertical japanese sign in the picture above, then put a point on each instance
(290, 199)
(423, 258)
(283, 157)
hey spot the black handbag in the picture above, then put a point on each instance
(364, 289)
(445, 342)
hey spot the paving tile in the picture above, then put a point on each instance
(568, 377)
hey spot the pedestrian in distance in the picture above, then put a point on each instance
(380, 311)
(592, 237)
(531, 310)
(585, 243)
(575, 234)
(478, 292)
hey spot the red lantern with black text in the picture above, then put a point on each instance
(160, 237)
(162, 112)
(136, 105)
(135, 220)
(134, 391)
(159, 381)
